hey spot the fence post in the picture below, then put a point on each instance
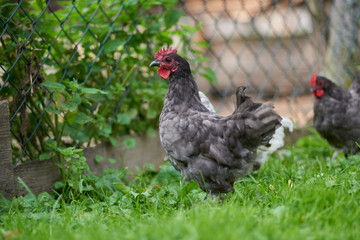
(6, 168)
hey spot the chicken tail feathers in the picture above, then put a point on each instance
(262, 120)
(243, 102)
(270, 121)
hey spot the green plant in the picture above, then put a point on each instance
(107, 47)
(300, 192)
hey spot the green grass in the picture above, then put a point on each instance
(311, 197)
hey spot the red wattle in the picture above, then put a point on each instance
(163, 72)
(319, 93)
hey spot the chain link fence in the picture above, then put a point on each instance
(93, 54)
(273, 47)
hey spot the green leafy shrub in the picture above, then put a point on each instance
(77, 73)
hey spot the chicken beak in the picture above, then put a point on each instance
(154, 63)
(313, 89)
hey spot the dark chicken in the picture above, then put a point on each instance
(278, 138)
(213, 150)
(337, 113)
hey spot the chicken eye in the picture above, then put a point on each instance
(168, 59)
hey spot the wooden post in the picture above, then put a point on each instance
(6, 167)
(38, 175)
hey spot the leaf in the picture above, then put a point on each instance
(53, 85)
(58, 185)
(74, 84)
(189, 187)
(150, 166)
(78, 135)
(27, 189)
(105, 131)
(70, 118)
(76, 100)
(99, 158)
(154, 27)
(210, 75)
(82, 118)
(81, 185)
(129, 143)
(131, 2)
(191, 29)
(51, 109)
(172, 17)
(112, 45)
(112, 160)
(85, 101)
(49, 142)
(92, 91)
(66, 151)
(330, 183)
(123, 188)
(151, 113)
(134, 194)
(44, 156)
(114, 141)
(124, 118)
(8, 4)
(69, 106)
(151, 132)
(202, 44)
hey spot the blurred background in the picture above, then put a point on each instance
(273, 47)
(75, 72)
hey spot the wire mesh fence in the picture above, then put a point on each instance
(273, 47)
(56, 61)
(90, 57)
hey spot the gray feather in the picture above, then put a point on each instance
(337, 115)
(211, 149)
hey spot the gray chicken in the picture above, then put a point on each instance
(211, 149)
(337, 113)
(277, 141)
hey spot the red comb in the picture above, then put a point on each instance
(313, 80)
(164, 51)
